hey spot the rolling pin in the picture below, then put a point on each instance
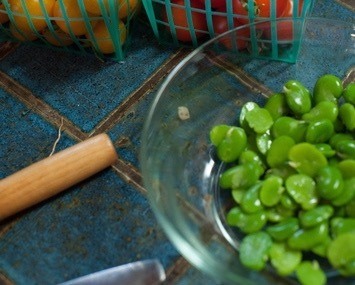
(52, 175)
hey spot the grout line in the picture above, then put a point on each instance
(248, 80)
(176, 271)
(7, 48)
(138, 94)
(33, 103)
(349, 4)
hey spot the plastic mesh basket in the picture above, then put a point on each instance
(100, 27)
(192, 22)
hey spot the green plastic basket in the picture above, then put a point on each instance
(100, 27)
(193, 22)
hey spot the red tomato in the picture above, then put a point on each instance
(180, 20)
(220, 25)
(262, 8)
(216, 4)
(285, 28)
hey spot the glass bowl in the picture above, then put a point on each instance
(178, 162)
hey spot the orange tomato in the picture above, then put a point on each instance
(33, 9)
(22, 36)
(93, 6)
(4, 17)
(103, 38)
(57, 38)
(127, 7)
(76, 21)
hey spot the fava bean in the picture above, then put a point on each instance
(316, 215)
(247, 107)
(239, 176)
(346, 149)
(347, 194)
(247, 223)
(347, 116)
(254, 250)
(306, 239)
(271, 190)
(306, 159)
(339, 225)
(259, 119)
(339, 137)
(250, 202)
(278, 152)
(232, 145)
(309, 273)
(329, 182)
(284, 259)
(319, 131)
(284, 229)
(325, 149)
(287, 126)
(277, 105)
(251, 156)
(341, 250)
(323, 110)
(327, 88)
(349, 93)
(302, 189)
(298, 97)
(347, 168)
(218, 133)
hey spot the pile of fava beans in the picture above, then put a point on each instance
(290, 169)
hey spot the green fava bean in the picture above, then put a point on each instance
(323, 110)
(271, 190)
(309, 273)
(347, 168)
(282, 171)
(248, 156)
(284, 229)
(259, 119)
(247, 107)
(322, 248)
(306, 159)
(348, 269)
(316, 215)
(284, 259)
(239, 176)
(327, 88)
(306, 239)
(303, 190)
(254, 250)
(349, 93)
(247, 223)
(237, 195)
(319, 131)
(346, 149)
(347, 116)
(347, 194)
(339, 225)
(342, 250)
(234, 142)
(250, 202)
(277, 106)
(218, 133)
(287, 201)
(338, 138)
(298, 97)
(278, 213)
(287, 126)
(350, 208)
(263, 142)
(325, 149)
(329, 182)
(278, 151)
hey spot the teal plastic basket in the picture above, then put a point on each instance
(99, 27)
(193, 22)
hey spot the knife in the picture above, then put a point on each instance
(145, 272)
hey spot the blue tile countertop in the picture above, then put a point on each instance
(105, 220)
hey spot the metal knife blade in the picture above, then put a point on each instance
(145, 272)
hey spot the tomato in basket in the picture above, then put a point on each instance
(4, 17)
(262, 8)
(72, 21)
(220, 25)
(285, 28)
(33, 9)
(180, 20)
(216, 4)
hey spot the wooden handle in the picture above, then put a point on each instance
(54, 174)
